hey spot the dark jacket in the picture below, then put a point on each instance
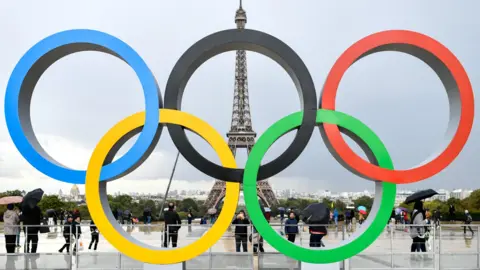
(291, 226)
(172, 218)
(31, 217)
(243, 229)
(93, 228)
(76, 229)
(67, 229)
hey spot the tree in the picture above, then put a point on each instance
(473, 201)
(364, 201)
(187, 204)
(339, 205)
(51, 202)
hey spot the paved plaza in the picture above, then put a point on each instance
(390, 250)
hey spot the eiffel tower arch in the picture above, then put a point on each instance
(241, 134)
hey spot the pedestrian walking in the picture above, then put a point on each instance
(172, 225)
(67, 231)
(291, 227)
(467, 221)
(95, 235)
(76, 232)
(241, 231)
(11, 223)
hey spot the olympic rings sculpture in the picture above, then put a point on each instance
(102, 168)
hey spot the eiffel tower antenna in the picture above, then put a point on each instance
(241, 134)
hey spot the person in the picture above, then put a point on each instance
(361, 218)
(31, 218)
(172, 225)
(436, 217)
(241, 231)
(147, 216)
(257, 240)
(11, 222)
(120, 216)
(213, 218)
(335, 217)
(451, 211)
(17, 210)
(282, 216)
(468, 220)
(67, 230)
(189, 220)
(348, 219)
(316, 235)
(417, 231)
(428, 222)
(62, 217)
(291, 227)
(95, 235)
(76, 232)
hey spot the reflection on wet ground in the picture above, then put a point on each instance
(390, 250)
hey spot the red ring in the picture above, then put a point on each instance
(465, 90)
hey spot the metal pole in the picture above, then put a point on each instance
(478, 247)
(391, 247)
(440, 247)
(169, 183)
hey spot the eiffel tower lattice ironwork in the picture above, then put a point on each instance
(241, 133)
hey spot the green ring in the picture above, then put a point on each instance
(354, 245)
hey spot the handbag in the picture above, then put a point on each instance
(80, 245)
(44, 229)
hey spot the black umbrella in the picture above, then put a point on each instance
(421, 195)
(316, 213)
(32, 198)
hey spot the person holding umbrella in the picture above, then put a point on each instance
(31, 218)
(314, 214)
(417, 232)
(11, 222)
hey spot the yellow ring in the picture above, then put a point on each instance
(118, 239)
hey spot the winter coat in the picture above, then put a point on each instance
(417, 230)
(291, 226)
(10, 222)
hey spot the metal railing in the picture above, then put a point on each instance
(449, 248)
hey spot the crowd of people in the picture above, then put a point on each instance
(33, 223)
(32, 219)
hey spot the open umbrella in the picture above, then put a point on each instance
(267, 210)
(32, 198)
(11, 199)
(212, 211)
(363, 212)
(421, 195)
(362, 208)
(316, 213)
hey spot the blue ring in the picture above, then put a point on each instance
(80, 38)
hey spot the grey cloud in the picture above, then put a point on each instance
(84, 95)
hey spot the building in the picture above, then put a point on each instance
(460, 194)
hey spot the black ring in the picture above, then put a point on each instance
(252, 40)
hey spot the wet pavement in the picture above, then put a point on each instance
(389, 250)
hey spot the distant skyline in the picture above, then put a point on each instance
(82, 96)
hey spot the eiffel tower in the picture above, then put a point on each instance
(241, 133)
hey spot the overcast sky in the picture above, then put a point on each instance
(82, 96)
